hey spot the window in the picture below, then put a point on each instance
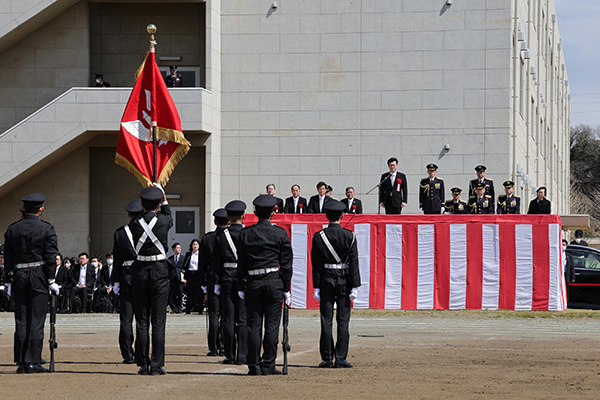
(522, 88)
(585, 260)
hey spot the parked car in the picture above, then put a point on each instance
(585, 291)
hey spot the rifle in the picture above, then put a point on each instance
(285, 342)
(52, 341)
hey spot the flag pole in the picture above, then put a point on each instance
(151, 29)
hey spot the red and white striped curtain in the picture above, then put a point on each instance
(441, 262)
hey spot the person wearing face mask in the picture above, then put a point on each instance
(62, 276)
(104, 293)
(100, 82)
(579, 238)
(65, 280)
(568, 266)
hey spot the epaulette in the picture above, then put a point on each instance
(488, 196)
(471, 197)
(516, 197)
(441, 179)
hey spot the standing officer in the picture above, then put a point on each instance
(233, 309)
(30, 249)
(336, 277)
(173, 79)
(481, 203)
(540, 205)
(150, 279)
(265, 264)
(393, 189)
(431, 192)
(489, 184)
(207, 280)
(509, 203)
(124, 256)
(456, 205)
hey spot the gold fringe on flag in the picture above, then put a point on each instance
(171, 135)
(141, 67)
(181, 151)
(123, 162)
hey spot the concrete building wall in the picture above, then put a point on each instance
(45, 64)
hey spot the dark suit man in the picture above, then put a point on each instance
(509, 203)
(84, 275)
(316, 202)
(481, 203)
(540, 205)
(353, 205)
(393, 189)
(4, 297)
(62, 278)
(295, 204)
(336, 277)
(175, 279)
(431, 192)
(456, 205)
(489, 184)
(271, 191)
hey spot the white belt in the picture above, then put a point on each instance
(229, 265)
(29, 265)
(156, 257)
(128, 263)
(335, 266)
(262, 271)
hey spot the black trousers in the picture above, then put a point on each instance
(150, 296)
(4, 301)
(234, 320)
(30, 290)
(434, 211)
(264, 299)
(195, 295)
(175, 295)
(334, 293)
(83, 296)
(126, 319)
(66, 299)
(215, 339)
(390, 209)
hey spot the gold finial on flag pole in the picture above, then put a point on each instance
(151, 29)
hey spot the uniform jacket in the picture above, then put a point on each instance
(355, 202)
(30, 240)
(344, 243)
(431, 195)
(207, 248)
(456, 208)
(289, 205)
(174, 81)
(313, 204)
(542, 207)
(394, 195)
(265, 246)
(486, 206)
(223, 253)
(512, 206)
(489, 187)
(122, 251)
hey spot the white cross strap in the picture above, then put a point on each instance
(231, 244)
(330, 247)
(151, 235)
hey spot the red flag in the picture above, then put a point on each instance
(150, 104)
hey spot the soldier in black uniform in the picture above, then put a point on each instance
(150, 279)
(481, 203)
(489, 184)
(207, 280)
(173, 79)
(124, 256)
(336, 277)
(100, 82)
(265, 265)
(30, 249)
(233, 309)
(509, 203)
(456, 205)
(431, 192)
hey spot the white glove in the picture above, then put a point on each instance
(203, 289)
(54, 288)
(217, 289)
(317, 295)
(241, 294)
(288, 298)
(9, 290)
(421, 209)
(442, 210)
(159, 186)
(353, 294)
(117, 288)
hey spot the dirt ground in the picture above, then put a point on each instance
(396, 355)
